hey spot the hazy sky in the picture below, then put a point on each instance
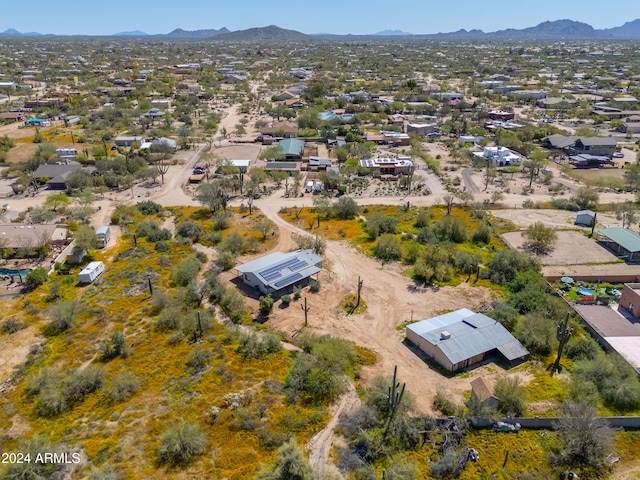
(106, 17)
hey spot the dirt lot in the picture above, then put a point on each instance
(551, 218)
(392, 299)
(571, 248)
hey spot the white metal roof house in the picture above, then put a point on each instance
(279, 272)
(463, 338)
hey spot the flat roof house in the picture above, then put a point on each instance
(460, 339)
(500, 156)
(279, 272)
(622, 241)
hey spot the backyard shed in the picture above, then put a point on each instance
(279, 272)
(463, 338)
(585, 218)
(622, 241)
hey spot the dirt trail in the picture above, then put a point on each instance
(319, 446)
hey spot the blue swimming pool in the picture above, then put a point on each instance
(8, 271)
(585, 292)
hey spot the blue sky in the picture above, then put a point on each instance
(65, 17)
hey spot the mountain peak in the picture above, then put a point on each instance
(392, 33)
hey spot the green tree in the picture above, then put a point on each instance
(505, 264)
(586, 198)
(586, 438)
(346, 208)
(540, 239)
(36, 277)
(57, 200)
(512, 396)
(536, 162)
(211, 195)
(266, 306)
(388, 248)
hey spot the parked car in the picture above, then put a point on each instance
(618, 155)
(506, 427)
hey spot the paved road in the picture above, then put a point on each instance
(468, 181)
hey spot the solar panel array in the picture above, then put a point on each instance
(290, 279)
(272, 273)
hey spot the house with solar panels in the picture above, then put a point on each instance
(460, 339)
(278, 273)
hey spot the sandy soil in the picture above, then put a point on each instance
(551, 218)
(571, 248)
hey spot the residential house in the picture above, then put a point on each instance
(604, 146)
(56, 175)
(281, 129)
(24, 239)
(278, 273)
(388, 166)
(501, 115)
(500, 156)
(631, 124)
(291, 148)
(127, 141)
(463, 338)
(421, 129)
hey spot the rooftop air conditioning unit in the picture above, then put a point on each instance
(445, 335)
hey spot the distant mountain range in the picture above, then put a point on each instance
(392, 33)
(552, 30)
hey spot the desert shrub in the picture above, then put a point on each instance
(169, 319)
(123, 386)
(175, 338)
(189, 230)
(505, 314)
(186, 271)
(433, 264)
(427, 235)
(378, 224)
(266, 305)
(245, 418)
(213, 237)
(565, 204)
(388, 248)
(36, 277)
(116, 346)
(233, 243)
(296, 293)
(308, 242)
(616, 380)
(62, 316)
(198, 359)
(148, 228)
(221, 221)
(512, 396)
(537, 332)
(162, 246)
(159, 300)
(423, 219)
(443, 403)
(252, 346)
(35, 470)
(290, 464)
(452, 228)
(82, 382)
(505, 264)
(583, 348)
(148, 207)
(179, 444)
(11, 325)
(482, 233)
(314, 285)
(226, 260)
(449, 465)
(286, 300)
(345, 208)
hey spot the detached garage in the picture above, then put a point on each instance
(459, 339)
